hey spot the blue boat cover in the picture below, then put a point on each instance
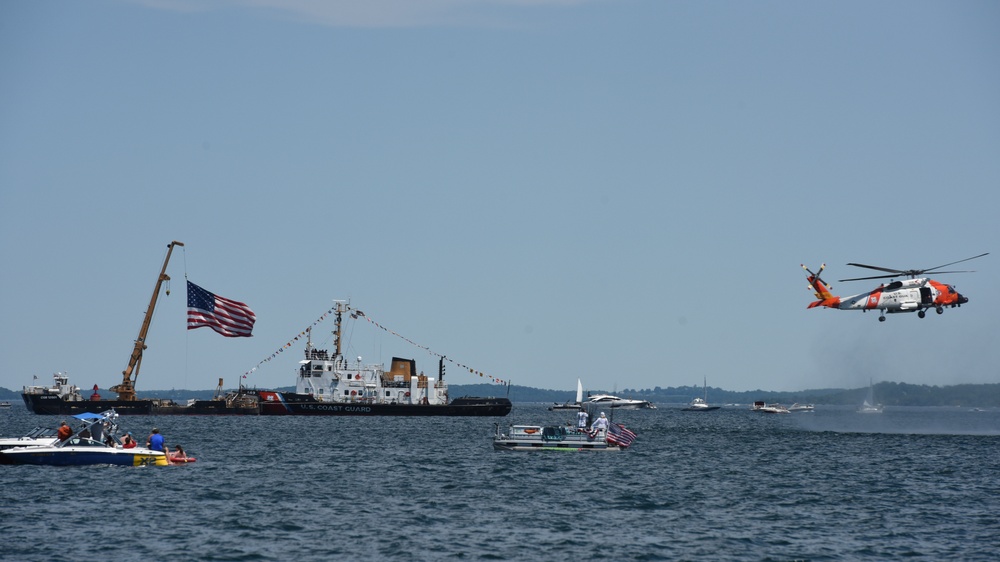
(88, 416)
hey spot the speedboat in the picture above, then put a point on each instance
(83, 449)
(609, 401)
(760, 406)
(796, 407)
(562, 438)
(35, 437)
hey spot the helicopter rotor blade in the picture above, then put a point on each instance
(910, 272)
(866, 278)
(897, 271)
(953, 263)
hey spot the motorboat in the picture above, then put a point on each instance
(701, 404)
(617, 402)
(796, 407)
(764, 408)
(81, 448)
(35, 437)
(562, 438)
(577, 405)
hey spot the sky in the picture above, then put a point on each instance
(620, 192)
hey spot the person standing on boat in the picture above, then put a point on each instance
(600, 424)
(582, 417)
(155, 440)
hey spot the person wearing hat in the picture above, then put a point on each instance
(600, 424)
(65, 431)
(128, 442)
(155, 440)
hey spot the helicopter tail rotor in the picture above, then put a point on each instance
(820, 288)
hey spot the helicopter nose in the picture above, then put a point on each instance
(961, 299)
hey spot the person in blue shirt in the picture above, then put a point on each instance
(155, 440)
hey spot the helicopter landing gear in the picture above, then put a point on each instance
(921, 313)
(882, 317)
(940, 310)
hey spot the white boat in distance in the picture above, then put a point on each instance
(796, 407)
(701, 404)
(760, 406)
(617, 402)
(578, 405)
(869, 406)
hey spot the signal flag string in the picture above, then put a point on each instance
(355, 316)
(358, 313)
(290, 342)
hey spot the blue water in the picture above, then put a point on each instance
(919, 483)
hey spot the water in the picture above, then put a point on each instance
(919, 483)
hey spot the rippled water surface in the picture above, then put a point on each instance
(919, 483)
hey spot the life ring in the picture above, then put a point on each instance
(353, 392)
(357, 377)
(406, 394)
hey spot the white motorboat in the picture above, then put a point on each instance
(562, 438)
(610, 401)
(83, 449)
(796, 407)
(35, 437)
(762, 407)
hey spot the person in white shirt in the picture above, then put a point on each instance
(600, 424)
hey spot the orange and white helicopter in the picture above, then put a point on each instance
(916, 294)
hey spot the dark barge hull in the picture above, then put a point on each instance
(291, 404)
(280, 404)
(53, 405)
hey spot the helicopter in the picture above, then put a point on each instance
(916, 294)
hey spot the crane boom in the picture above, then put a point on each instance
(126, 390)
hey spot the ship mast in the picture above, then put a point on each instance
(336, 333)
(126, 390)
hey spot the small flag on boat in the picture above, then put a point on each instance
(228, 317)
(620, 435)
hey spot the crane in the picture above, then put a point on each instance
(126, 390)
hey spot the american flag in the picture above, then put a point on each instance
(227, 317)
(620, 435)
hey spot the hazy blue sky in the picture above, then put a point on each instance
(544, 190)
